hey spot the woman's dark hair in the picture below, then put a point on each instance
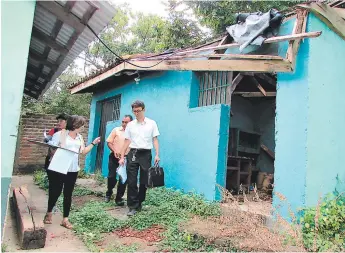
(63, 116)
(138, 103)
(74, 122)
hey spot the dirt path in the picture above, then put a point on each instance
(58, 239)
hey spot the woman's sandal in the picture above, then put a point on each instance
(66, 224)
(48, 219)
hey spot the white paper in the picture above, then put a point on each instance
(121, 171)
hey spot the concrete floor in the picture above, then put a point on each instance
(59, 239)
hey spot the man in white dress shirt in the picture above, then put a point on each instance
(140, 136)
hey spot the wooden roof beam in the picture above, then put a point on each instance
(211, 65)
(267, 78)
(299, 28)
(236, 82)
(267, 41)
(262, 90)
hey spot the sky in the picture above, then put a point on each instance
(147, 7)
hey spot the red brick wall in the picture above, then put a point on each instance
(30, 156)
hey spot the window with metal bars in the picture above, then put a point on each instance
(214, 87)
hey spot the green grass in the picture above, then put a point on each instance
(164, 207)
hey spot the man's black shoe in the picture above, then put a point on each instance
(107, 199)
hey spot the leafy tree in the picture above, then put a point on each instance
(217, 15)
(137, 33)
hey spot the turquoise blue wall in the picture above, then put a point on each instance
(193, 139)
(310, 119)
(326, 112)
(291, 130)
(16, 24)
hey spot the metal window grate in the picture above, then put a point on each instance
(214, 87)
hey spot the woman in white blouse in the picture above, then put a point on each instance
(64, 167)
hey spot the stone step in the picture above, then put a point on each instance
(31, 232)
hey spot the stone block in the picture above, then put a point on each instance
(31, 232)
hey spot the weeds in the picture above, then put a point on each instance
(3, 247)
(41, 179)
(324, 225)
(122, 248)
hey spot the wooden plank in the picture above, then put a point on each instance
(217, 56)
(211, 65)
(98, 78)
(267, 78)
(300, 24)
(262, 90)
(236, 81)
(328, 15)
(225, 40)
(229, 88)
(59, 11)
(268, 151)
(254, 94)
(48, 41)
(340, 11)
(267, 41)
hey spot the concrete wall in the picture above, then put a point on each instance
(326, 112)
(16, 24)
(310, 119)
(193, 140)
(291, 130)
(30, 156)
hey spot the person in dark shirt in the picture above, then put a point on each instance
(61, 124)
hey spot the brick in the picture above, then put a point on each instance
(31, 232)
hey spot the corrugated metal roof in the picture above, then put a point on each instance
(47, 39)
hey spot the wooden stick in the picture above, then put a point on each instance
(267, 41)
(262, 90)
(219, 56)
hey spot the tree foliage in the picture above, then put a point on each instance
(58, 99)
(217, 15)
(137, 33)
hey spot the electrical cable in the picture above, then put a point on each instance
(118, 56)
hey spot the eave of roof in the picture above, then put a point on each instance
(59, 35)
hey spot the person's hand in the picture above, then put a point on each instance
(97, 140)
(157, 159)
(122, 161)
(117, 155)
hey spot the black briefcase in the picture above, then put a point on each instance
(156, 177)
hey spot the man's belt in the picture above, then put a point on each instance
(140, 149)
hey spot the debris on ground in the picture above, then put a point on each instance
(152, 234)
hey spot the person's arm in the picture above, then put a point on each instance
(156, 145)
(87, 149)
(155, 135)
(110, 141)
(125, 145)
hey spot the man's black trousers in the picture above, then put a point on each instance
(142, 161)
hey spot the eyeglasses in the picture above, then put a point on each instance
(137, 111)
